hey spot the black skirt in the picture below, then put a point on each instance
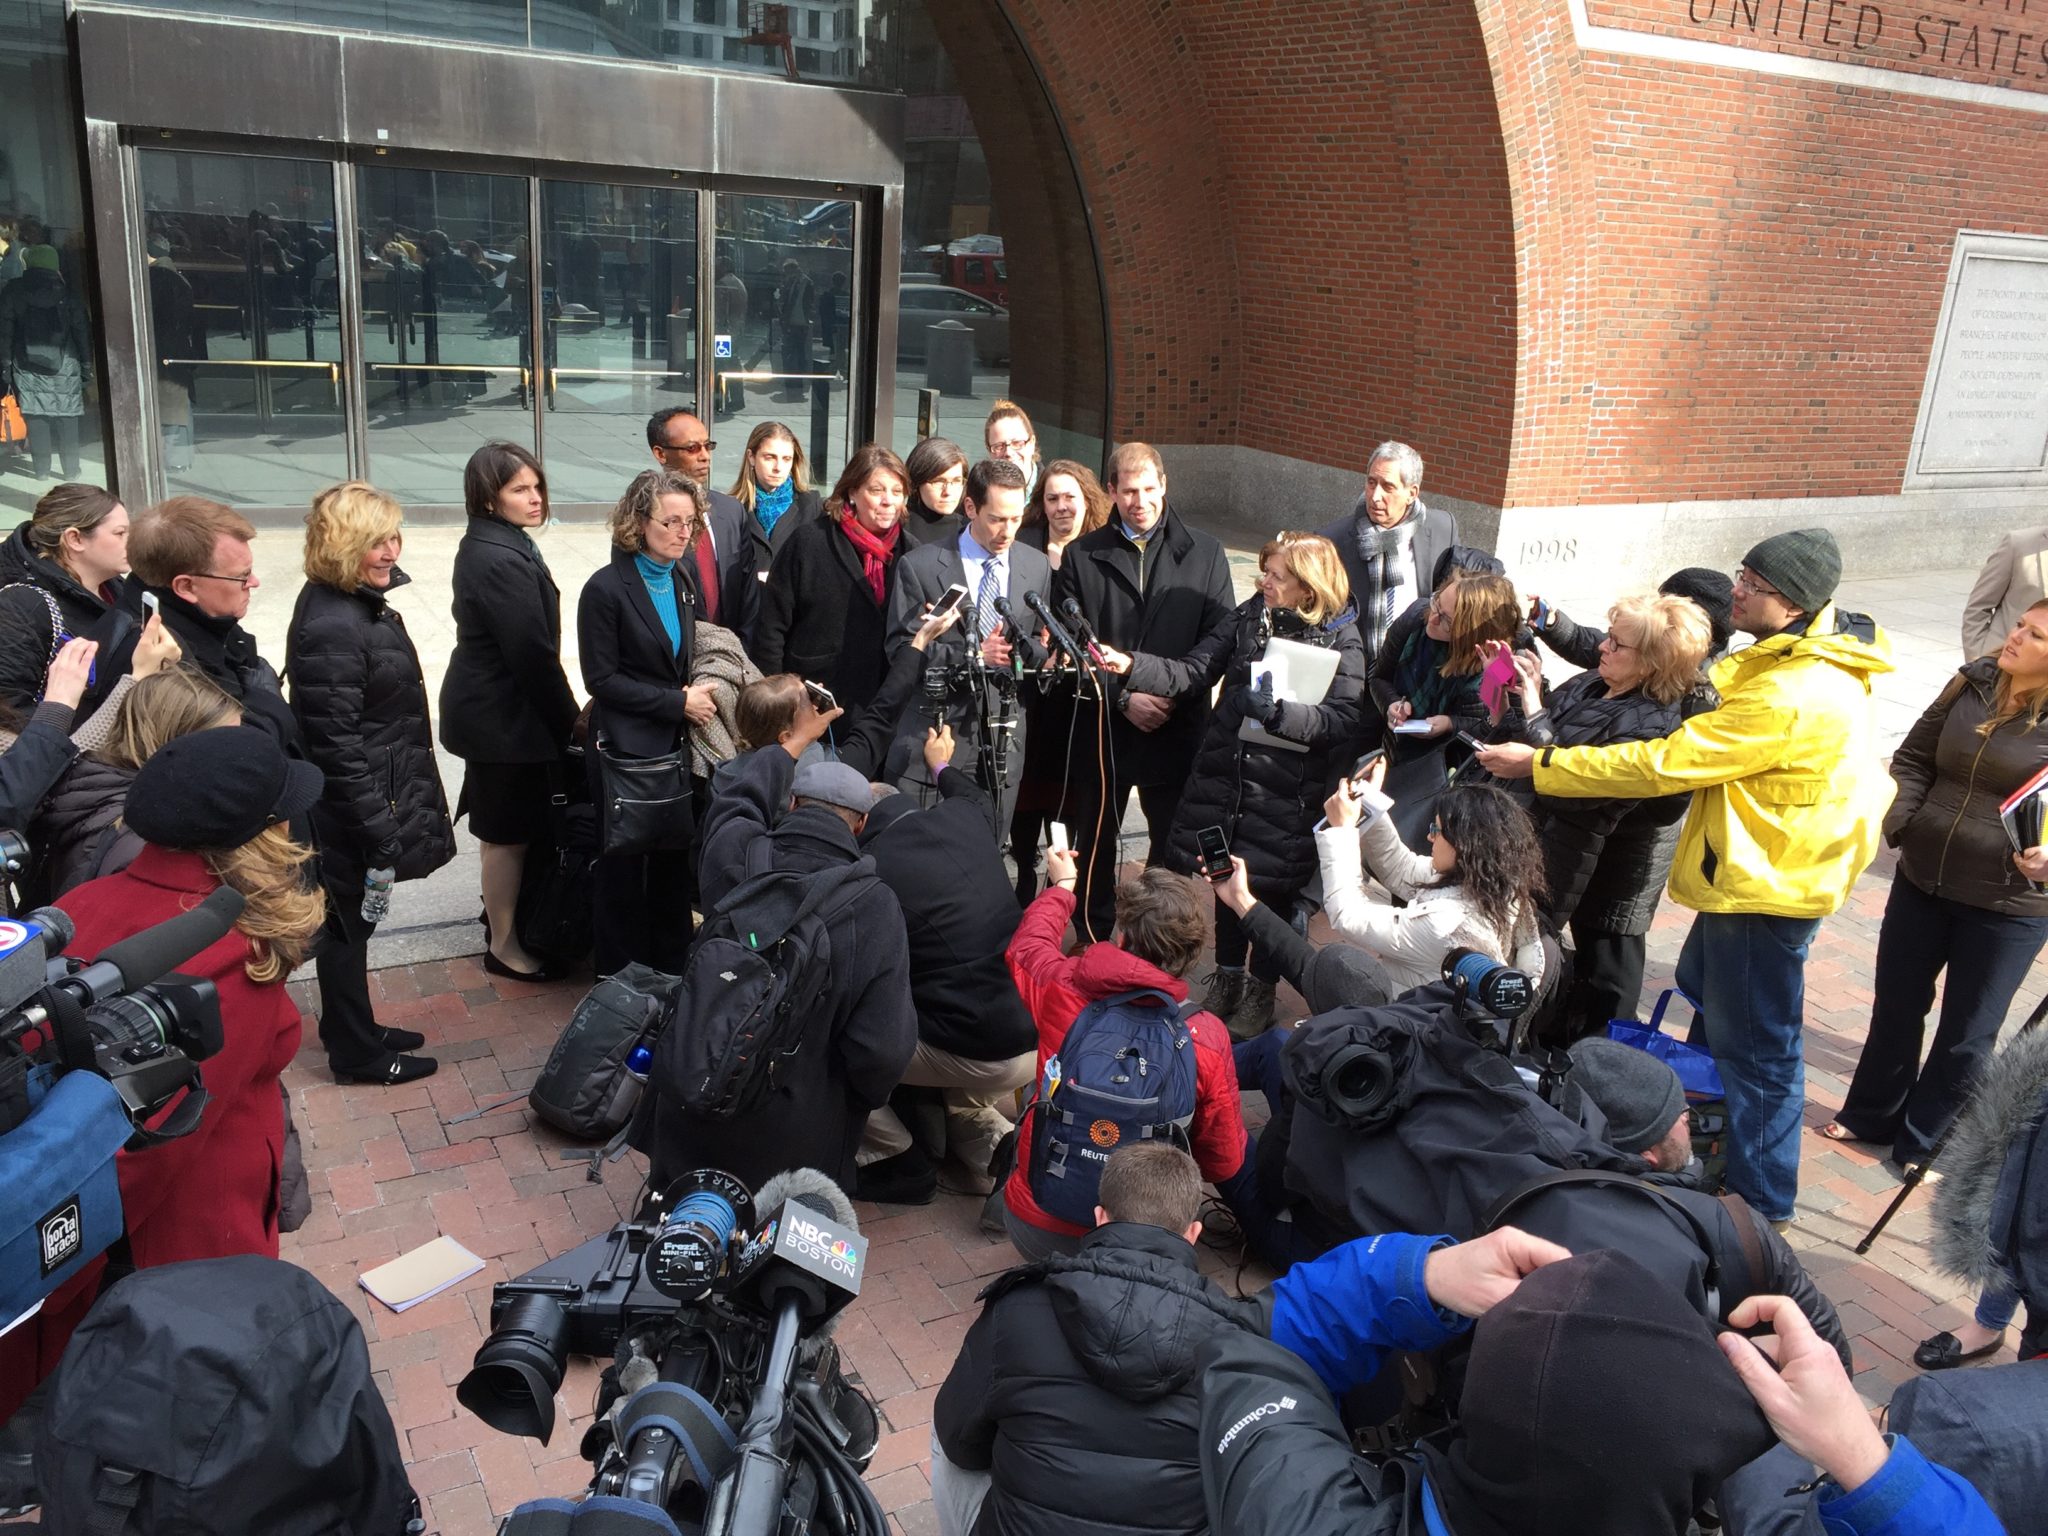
(505, 802)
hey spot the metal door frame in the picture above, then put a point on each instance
(151, 80)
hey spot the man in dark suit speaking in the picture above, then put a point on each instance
(988, 561)
(726, 585)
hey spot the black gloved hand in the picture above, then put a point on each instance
(1260, 702)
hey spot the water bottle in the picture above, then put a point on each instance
(377, 895)
(639, 1061)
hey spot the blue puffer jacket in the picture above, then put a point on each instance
(1344, 1312)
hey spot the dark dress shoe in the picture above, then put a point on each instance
(908, 1178)
(493, 966)
(401, 1039)
(390, 1071)
(1944, 1352)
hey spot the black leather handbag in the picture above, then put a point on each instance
(643, 803)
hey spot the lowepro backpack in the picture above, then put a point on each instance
(755, 979)
(220, 1397)
(1124, 1073)
(585, 1088)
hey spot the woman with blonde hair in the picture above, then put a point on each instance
(361, 703)
(1264, 763)
(774, 486)
(78, 836)
(211, 808)
(824, 612)
(636, 635)
(1605, 861)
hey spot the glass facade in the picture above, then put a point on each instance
(831, 42)
(309, 316)
(42, 203)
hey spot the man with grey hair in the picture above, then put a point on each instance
(1391, 542)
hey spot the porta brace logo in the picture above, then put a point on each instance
(1250, 1419)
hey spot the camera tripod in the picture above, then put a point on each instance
(1917, 1173)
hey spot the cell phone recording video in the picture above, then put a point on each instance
(820, 697)
(949, 601)
(1214, 850)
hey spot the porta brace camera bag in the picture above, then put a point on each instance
(585, 1088)
(1124, 1073)
(60, 1201)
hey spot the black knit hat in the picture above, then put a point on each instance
(1714, 593)
(1640, 1095)
(1596, 1403)
(1805, 565)
(218, 789)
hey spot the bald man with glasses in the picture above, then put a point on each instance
(727, 584)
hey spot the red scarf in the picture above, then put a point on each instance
(876, 551)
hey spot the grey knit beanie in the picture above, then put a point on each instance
(1639, 1095)
(1805, 565)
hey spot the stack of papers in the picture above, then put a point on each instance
(2022, 814)
(427, 1271)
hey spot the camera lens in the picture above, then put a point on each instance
(135, 1019)
(1362, 1082)
(511, 1384)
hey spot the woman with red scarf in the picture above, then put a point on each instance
(826, 602)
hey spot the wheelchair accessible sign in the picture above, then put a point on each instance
(721, 346)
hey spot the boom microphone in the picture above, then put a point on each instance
(156, 952)
(812, 1189)
(1061, 637)
(811, 1252)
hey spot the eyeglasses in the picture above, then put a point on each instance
(1613, 644)
(702, 447)
(1746, 581)
(674, 524)
(244, 581)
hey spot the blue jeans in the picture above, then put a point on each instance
(1996, 1305)
(1258, 1065)
(1747, 971)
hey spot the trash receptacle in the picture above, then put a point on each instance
(949, 359)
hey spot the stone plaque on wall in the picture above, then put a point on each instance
(1984, 411)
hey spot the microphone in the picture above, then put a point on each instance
(1009, 614)
(156, 952)
(1051, 621)
(810, 1254)
(1079, 621)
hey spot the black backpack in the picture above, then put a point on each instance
(220, 1398)
(585, 1089)
(555, 884)
(756, 976)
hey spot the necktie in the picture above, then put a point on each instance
(985, 616)
(707, 577)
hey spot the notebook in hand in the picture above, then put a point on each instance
(427, 1271)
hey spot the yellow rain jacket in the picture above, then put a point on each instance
(1790, 790)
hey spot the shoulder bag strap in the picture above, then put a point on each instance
(50, 606)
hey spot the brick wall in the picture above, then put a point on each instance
(1568, 278)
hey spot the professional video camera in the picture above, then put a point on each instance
(89, 1054)
(724, 1409)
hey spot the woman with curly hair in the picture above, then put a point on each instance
(1478, 887)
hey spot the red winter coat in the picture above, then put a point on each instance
(1056, 987)
(209, 1194)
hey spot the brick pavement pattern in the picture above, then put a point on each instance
(388, 1174)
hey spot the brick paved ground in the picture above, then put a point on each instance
(388, 1174)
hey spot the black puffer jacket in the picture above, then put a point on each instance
(362, 706)
(1576, 833)
(1951, 779)
(73, 835)
(1265, 798)
(1075, 1389)
(112, 616)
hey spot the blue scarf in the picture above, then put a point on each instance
(660, 579)
(770, 505)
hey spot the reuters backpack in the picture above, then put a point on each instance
(1125, 1073)
(221, 1397)
(755, 979)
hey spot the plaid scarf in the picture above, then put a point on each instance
(1389, 567)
